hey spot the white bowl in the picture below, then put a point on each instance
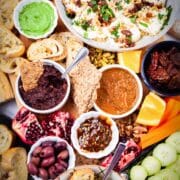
(97, 169)
(55, 108)
(147, 40)
(101, 153)
(138, 100)
(72, 158)
(20, 7)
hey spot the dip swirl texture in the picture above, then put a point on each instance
(36, 18)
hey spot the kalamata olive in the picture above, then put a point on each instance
(35, 160)
(37, 151)
(59, 168)
(43, 174)
(47, 143)
(60, 146)
(63, 154)
(63, 163)
(47, 152)
(52, 172)
(48, 161)
(32, 169)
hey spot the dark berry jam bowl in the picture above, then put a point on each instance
(160, 69)
(47, 107)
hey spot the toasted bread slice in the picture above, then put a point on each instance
(10, 45)
(11, 65)
(83, 174)
(6, 12)
(6, 139)
(14, 161)
(44, 49)
(6, 92)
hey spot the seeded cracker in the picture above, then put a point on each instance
(30, 74)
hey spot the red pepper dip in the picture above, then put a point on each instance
(49, 92)
(118, 91)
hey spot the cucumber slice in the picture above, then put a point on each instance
(175, 166)
(138, 173)
(152, 165)
(174, 140)
(155, 177)
(165, 153)
(167, 174)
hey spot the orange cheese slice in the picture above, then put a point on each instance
(152, 110)
(131, 59)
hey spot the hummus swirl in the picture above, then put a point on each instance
(36, 18)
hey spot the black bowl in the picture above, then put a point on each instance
(162, 46)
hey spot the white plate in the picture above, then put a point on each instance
(147, 40)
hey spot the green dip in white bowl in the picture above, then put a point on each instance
(35, 18)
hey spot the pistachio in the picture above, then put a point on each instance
(102, 58)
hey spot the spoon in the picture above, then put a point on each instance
(116, 157)
(83, 52)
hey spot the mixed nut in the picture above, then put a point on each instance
(129, 129)
(49, 160)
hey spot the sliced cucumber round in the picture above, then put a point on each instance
(174, 140)
(152, 165)
(165, 153)
(167, 174)
(138, 173)
(175, 166)
(155, 177)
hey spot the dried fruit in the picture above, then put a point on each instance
(163, 70)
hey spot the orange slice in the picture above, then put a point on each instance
(131, 59)
(152, 110)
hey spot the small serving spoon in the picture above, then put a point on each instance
(116, 157)
(83, 52)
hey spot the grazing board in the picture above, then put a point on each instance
(108, 93)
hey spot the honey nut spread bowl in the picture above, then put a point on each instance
(57, 106)
(72, 157)
(139, 92)
(43, 18)
(107, 149)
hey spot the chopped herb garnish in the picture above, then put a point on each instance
(160, 16)
(89, 10)
(83, 23)
(133, 19)
(86, 34)
(94, 5)
(127, 1)
(115, 31)
(106, 12)
(169, 10)
(119, 6)
(143, 24)
(76, 22)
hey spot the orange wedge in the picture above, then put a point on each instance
(152, 110)
(131, 59)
